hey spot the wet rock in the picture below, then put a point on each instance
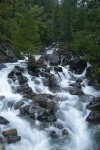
(2, 66)
(51, 80)
(77, 85)
(11, 75)
(46, 101)
(9, 132)
(58, 125)
(45, 82)
(25, 90)
(10, 104)
(53, 134)
(17, 74)
(77, 64)
(54, 58)
(39, 97)
(79, 80)
(3, 121)
(33, 66)
(46, 116)
(18, 69)
(24, 110)
(32, 116)
(18, 104)
(64, 132)
(75, 91)
(94, 117)
(2, 140)
(58, 69)
(93, 77)
(13, 139)
(45, 74)
(94, 105)
(27, 111)
(22, 79)
(2, 97)
(49, 105)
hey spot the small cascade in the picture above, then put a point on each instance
(67, 129)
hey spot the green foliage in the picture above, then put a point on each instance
(33, 24)
(26, 37)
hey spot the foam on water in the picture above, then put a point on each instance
(72, 117)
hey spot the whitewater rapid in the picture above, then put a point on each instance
(72, 113)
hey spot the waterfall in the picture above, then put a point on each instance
(71, 112)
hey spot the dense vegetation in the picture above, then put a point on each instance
(30, 25)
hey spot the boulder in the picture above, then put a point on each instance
(79, 80)
(77, 85)
(58, 69)
(94, 117)
(75, 91)
(18, 104)
(94, 105)
(32, 116)
(25, 90)
(10, 104)
(46, 101)
(34, 66)
(3, 121)
(49, 105)
(12, 139)
(77, 64)
(2, 66)
(64, 132)
(53, 134)
(9, 132)
(54, 58)
(17, 74)
(46, 116)
(2, 97)
(22, 79)
(24, 110)
(27, 110)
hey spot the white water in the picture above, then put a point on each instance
(72, 114)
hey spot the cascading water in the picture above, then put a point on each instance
(71, 113)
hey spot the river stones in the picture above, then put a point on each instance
(13, 139)
(75, 91)
(3, 121)
(17, 74)
(46, 116)
(2, 66)
(11, 136)
(18, 104)
(25, 90)
(46, 101)
(9, 132)
(28, 110)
